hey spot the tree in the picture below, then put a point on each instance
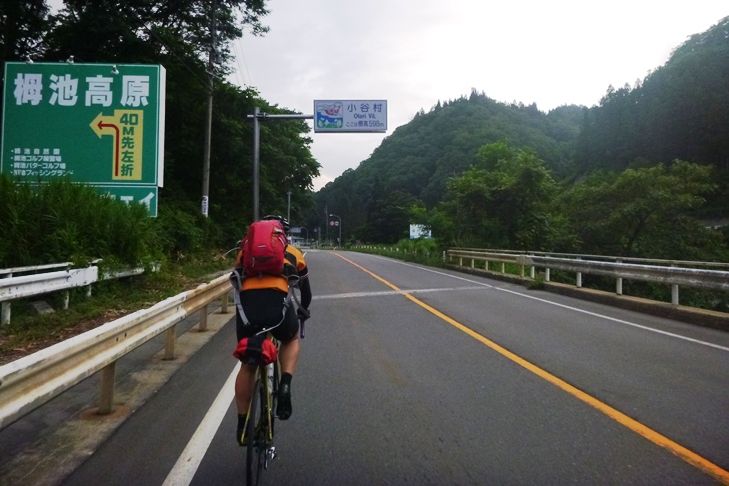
(141, 31)
(23, 25)
(643, 212)
(504, 201)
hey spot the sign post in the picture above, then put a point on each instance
(97, 124)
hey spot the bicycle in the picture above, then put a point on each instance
(259, 428)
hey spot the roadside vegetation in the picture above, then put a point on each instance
(60, 222)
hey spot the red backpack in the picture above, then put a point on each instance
(264, 249)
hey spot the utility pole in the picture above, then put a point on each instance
(257, 117)
(208, 128)
(288, 211)
(256, 160)
(326, 220)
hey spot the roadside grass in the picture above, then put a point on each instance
(29, 332)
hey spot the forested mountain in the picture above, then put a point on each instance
(416, 161)
(681, 110)
(444, 170)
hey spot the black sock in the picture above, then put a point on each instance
(286, 378)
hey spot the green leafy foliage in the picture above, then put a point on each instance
(644, 212)
(505, 201)
(60, 221)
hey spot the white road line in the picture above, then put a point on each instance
(184, 469)
(351, 295)
(575, 309)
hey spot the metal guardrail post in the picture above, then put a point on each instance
(66, 299)
(5, 319)
(203, 325)
(224, 303)
(473, 263)
(674, 294)
(619, 282)
(546, 274)
(579, 277)
(170, 339)
(486, 265)
(532, 272)
(106, 400)
(503, 267)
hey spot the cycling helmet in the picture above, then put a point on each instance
(284, 222)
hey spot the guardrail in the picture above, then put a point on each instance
(14, 286)
(690, 263)
(670, 273)
(29, 382)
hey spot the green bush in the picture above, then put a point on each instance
(61, 221)
(426, 251)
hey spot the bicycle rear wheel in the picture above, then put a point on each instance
(254, 450)
(275, 378)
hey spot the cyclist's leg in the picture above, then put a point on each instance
(288, 334)
(289, 355)
(244, 381)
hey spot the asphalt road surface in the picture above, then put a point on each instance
(414, 375)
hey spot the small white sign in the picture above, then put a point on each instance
(365, 116)
(419, 231)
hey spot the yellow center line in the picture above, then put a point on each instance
(661, 440)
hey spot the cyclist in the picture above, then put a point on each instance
(262, 298)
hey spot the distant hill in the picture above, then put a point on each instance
(418, 158)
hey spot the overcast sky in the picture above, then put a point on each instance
(415, 52)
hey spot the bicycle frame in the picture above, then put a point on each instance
(259, 431)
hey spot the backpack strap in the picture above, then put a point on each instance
(236, 280)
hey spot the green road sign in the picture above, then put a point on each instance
(99, 124)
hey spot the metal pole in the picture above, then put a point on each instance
(339, 223)
(288, 210)
(257, 116)
(208, 129)
(5, 319)
(106, 400)
(256, 160)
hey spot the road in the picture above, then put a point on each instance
(414, 375)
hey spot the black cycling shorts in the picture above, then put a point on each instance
(264, 308)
